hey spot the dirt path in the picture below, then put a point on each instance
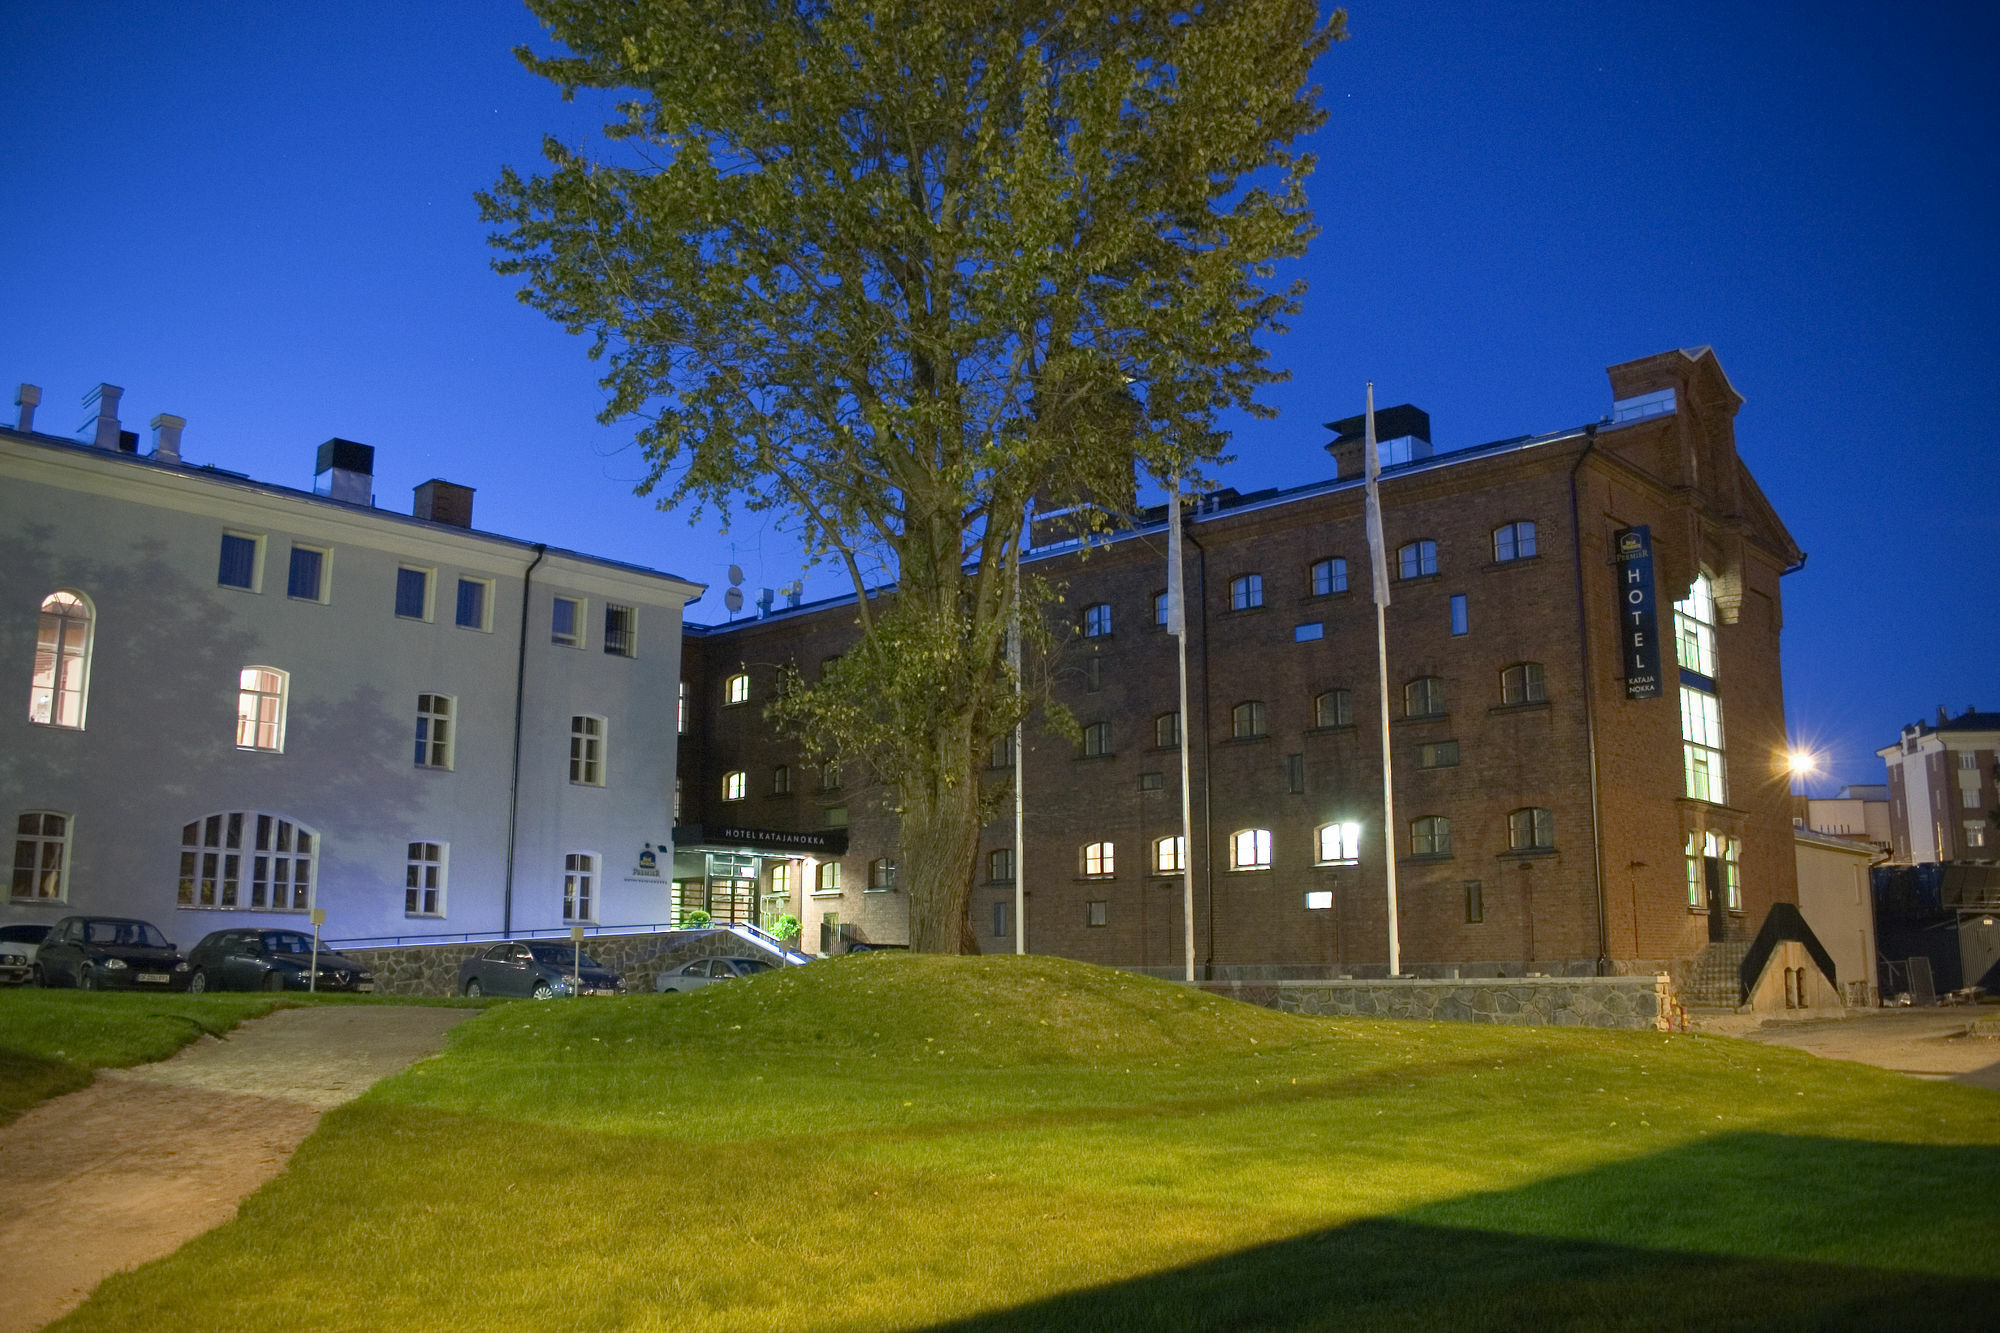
(1927, 1043)
(145, 1159)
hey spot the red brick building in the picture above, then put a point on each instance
(1545, 820)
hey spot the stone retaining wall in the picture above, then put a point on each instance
(1638, 1003)
(432, 969)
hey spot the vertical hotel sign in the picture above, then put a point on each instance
(1638, 629)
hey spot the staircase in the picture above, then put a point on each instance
(1715, 978)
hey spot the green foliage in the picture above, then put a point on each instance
(695, 918)
(786, 927)
(895, 271)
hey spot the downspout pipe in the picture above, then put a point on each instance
(1207, 806)
(1589, 704)
(514, 781)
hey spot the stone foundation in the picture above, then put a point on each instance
(1636, 1003)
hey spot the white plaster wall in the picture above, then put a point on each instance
(1835, 899)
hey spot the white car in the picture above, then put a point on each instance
(699, 973)
(18, 947)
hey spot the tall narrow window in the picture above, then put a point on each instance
(781, 780)
(62, 661)
(621, 632)
(1098, 860)
(579, 887)
(1334, 708)
(413, 593)
(1160, 609)
(681, 711)
(1295, 774)
(1523, 683)
(260, 709)
(1167, 731)
(1246, 720)
(236, 567)
(1513, 541)
(423, 880)
(1246, 591)
(475, 597)
(1694, 628)
(736, 689)
(735, 785)
(41, 856)
(306, 579)
(1533, 829)
(1424, 697)
(1000, 865)
(1461, 616)
(1701, 746)
(1097, 620)
(1169, 855)
(1430, 836)
(1329, 576)
(1096, 740)
(829, 775)
(1416, 560)
(248, 860)
(1475, 902)
(1339, 844)
(1000, 918)
(1000, 753)
(1250, 849)
(434, 731)
(566, 623)
(586, 750)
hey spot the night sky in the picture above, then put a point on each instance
(260, 217)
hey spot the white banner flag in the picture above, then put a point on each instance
(1176, 597)
(1372, 468)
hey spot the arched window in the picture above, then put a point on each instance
(736, 689)
(1000, 867)
(1339, 844)
(1334, 708)
(1430, 836)
(62, 661)
(1523, 683)
(41, 856)
(1167, 731)
(1098, 860)
(735, 785)
(1246, 591)
(248, 859)
(1250, 849)
(1327, 577)
(827, 878)
(1531, 829)
(1246, 720)
(1417, 559)
(1097, 740)
(1513, 541)
(260, 708)
(1424, 697)
(882, 874)
(1169, 855)
(1097, 620)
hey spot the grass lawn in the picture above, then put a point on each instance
(51, 1040)
(892, 1141)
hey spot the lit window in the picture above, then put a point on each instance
(1513, 541)
(827, 877)
(1246, 591)
(1531, 829)
(882, 874)
(1167, 731)
(1694, 628)
(1417, 559)
(1334, 708)
(1438, 754)
(781, 885)
(237, 566)
(735, 785)
(1696, 884)
(586, 750)
(1169, 855)
(1097, 913)
(781, 780)
(1098, 860)
(681, 711)
(1968, 761)
(1000, 865)
(1430, 836)
(413, 593)
(1097, 740)
(1250, 849)
(260, 709)
(579, 887)
(736, 689)
(1523, 683)
(1319, 900)
(1424, 697)
(1246, 720)
(248, 859)
(41, 856)
(434, 731)
(566, 622)
(1975, 833)
(1096, 620)
(62, 661)
(1701, 745)
(306, 579)
(423, 879)
(475, 597)
(1461, 619)
(1339, 844)
(621, 635)
(1329, 576)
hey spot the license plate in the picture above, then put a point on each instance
(601, 991)
(154, 978)
(364, 985)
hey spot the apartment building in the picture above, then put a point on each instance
(1944, 789)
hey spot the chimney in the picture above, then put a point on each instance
(443, 501)
(1402, 434)
(167, 430)
(346, 472)
(765, 597)
(105, 397)
(28, 397)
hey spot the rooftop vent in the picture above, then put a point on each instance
(167, 430)
(443, 501)
(28, 397)
(1659, 403)
(346, 471)
(1402, 435)
(104, 423)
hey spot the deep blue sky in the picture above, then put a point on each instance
(260, 217)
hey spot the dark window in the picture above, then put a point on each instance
(1246, 591)
(412, 592)
(1000, 918)
(1295, 773)
(1151, 782)
(1438, 754)
(303, 581)
(1430, 836)
(1475, 902)
(1000, 865)
(620, 637)
(238, 567)
(1246, 720)
(1097, 740)
(563, 624)
(1097, 913)
(1523, 684)
(471, 604)
(1093, 674)
(1513, 541)
(1424, 697)
(1417, 560)
(1167, 731)
(1531, 829)
(1334, 708)
(1329, 576)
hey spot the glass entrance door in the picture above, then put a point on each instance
(732, 902)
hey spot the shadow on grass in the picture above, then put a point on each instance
(1751, 1231)
(26, 1079)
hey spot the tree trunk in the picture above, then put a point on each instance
(940, 844)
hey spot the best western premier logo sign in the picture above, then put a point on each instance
(1637, 627)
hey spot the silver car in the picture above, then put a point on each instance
(18, 946)
(690, 976)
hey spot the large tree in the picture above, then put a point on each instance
(899, 270)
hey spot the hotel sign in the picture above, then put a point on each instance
(1638, 630)
(827, 842)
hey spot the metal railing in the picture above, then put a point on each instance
(755, 934)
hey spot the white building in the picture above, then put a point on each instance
(235, 701)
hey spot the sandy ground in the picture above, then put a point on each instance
(1926, 1043)
(145, 1159)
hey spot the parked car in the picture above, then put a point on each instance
(270, 960)
(538, 968)
(702, 971)
(18, 946)
(109, 953)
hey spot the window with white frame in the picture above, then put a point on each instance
(475, 604)
(621, 631)
(882, 874)
(1339, 844)
(736, 689)
(1098, 860)
(1416, 560)
(1250, 849)
(1524, 683)
(305, 580)
(735, 785)
(60, 689)
(1513, 541)
(1169, 855)
(1097, 620)
(579, 887)
(1424, 697)
(1167, 731)
(435, 732)
(41, 856)
(1430, 836)
(1723, 854)
(1333, 708)
(1694, 628)
(1975, 833)
(1246, 591)
(1246, 720)
(260, 708)
(240, 563)
(1532, 829)
(423, 879)
(781, 884)
(586, 750)
(413, 593)
(1329, 576)
(252, 860)
(1701, 746)
(1968, 798)
(827, 878)
(1000, 865)
(566, 623)
(1096, 740)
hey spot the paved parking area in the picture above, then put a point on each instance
(1926, 1043)
(144, 1159)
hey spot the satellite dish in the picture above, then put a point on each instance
(733, 599)
(735, 575)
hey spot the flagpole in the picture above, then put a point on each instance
(1020, 773)
(1177, 626)
(1379, 559)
